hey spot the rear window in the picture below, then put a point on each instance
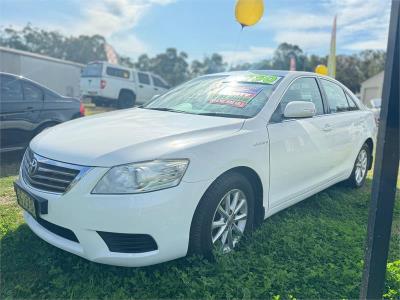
(31, 92)
(144, 78)
(116, 72)
(92, 70)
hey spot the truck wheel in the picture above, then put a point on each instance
(126, 99)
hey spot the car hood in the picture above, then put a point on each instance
(127, 136)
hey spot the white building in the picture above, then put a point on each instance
(59, 75)
(371, 88)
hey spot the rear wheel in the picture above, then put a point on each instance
(360, 169)
(224, 214)
(126, 99)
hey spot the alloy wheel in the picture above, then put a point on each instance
(229, 221)
(361, 166)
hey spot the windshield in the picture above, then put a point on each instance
(92, 70)
(227, 96)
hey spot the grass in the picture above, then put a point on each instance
(311, 250)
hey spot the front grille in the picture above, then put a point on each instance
(58, 230)
(128, 243)
(49, 175)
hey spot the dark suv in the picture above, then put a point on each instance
(27, 108)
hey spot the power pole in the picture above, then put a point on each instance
(385, 170)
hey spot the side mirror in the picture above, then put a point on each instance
(299, 109)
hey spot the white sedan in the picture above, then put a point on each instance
(194, 169)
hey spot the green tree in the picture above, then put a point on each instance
(348, 71)
(171, 65)
(314, 60)
(372, 62)
(82, 49)
(143, 63)
(282, 55)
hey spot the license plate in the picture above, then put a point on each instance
(26, 201)
(92, 93)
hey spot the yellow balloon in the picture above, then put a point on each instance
(249, 12)
(321, 69)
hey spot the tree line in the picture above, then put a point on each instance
(175, 67)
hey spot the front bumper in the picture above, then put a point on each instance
(165, 215)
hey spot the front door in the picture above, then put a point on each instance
(298, 154)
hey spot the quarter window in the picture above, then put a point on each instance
(144, 78)
(115, 72)
(352, 104)
(31, 92)
(10, 89)
(302, 89)
(336, 97)
(159, 83)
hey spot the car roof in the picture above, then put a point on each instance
(32, 81)
(281, 73)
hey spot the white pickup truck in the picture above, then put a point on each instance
(108, 84)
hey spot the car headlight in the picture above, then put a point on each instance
(142, 177)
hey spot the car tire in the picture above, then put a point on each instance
(207, 214)
(360, 168)
(126, 99)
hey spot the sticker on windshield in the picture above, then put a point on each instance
(256, 78)
(237, 96)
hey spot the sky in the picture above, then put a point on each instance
(203, 27)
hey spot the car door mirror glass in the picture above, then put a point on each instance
(299, 109)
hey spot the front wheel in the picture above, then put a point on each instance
(225, 213)
(360, 169)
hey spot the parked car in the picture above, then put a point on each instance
(375, 106)
(27, 108)
(194, 169)
(108, 84)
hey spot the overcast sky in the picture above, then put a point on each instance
(201, 27)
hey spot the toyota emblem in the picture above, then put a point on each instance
(33, 166)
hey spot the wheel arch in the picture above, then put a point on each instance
(256, 183)
(127, 91)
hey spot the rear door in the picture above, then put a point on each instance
(19, 114)
(345, 128)
(145, 89)
(298, 147)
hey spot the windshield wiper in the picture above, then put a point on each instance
(166, 109)
(215, 114)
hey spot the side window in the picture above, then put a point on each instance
(159, 83)
(336, 97)
(115, 72)
(11, 89)
(352, 104)
(32, 92)
(302, 89)
(144, 78)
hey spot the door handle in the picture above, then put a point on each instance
(29, 108)
(140, 85)
(156, 89)
(327, 128)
